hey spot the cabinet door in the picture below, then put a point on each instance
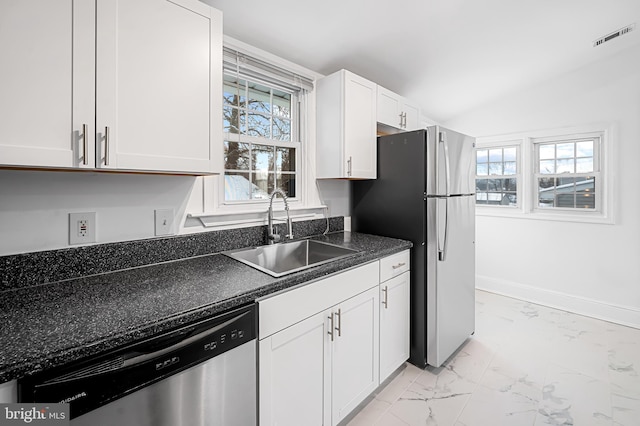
(158, 85)
(359, 127)
(293, 380)
(394, 324)
(389, 108)
(355, 351)
(46, 82)
(411, 116)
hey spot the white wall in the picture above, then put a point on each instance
(592, 269)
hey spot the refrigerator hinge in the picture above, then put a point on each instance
(425, 196)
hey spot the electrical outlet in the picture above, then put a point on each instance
(82, 228)
(164, 222)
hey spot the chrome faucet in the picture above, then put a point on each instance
(272, 236)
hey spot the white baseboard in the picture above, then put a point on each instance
(624, 315)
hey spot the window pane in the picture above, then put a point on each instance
(584, 149)
(494, 185)
(481, 198)
(585, 193)
(258, 125)
(547, 166)
(565, 150)
(236, 156)
(510, 185)
(482, 156)
(510, 168)
(546, 192)
(262, 185)
(510, 154)
(481, 185)
(282, 103)
(547, 152)
(482, 169)
(285, 159)
(565, 166)
(231, 91)
(495, 168)
(263, 158)
(237, 186)
(495, 154)
(233, 119)
(584, 165)
(287, 183)
(494, 198)
(259, 98)
(281, 129)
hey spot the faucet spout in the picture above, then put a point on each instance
(272, 236)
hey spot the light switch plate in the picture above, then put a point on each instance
(164, 222)
(82, 228)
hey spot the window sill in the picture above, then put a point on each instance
(254, 217)
(516, 213)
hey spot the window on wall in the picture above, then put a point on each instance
(263, 120)
(497, 176)
(567, 173)
(260, 146)
(552, 174)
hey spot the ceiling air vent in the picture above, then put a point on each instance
(614, 34)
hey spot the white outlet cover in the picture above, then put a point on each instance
(82, 228)
(164, 222)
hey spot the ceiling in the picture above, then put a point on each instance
(450, 56)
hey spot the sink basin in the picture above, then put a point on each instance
(284, 258)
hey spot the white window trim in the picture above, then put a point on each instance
(526, 189)
(307, 204)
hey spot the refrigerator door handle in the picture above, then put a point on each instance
(447, 168)
(442, 249)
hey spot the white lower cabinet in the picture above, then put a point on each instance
(325, 346)
(394, 312)
(318, 369)
(394, 324)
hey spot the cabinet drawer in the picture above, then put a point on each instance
(282, 310)
(394, 265)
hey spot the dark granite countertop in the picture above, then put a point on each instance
(52, 324)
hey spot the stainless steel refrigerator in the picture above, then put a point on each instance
(425, 193)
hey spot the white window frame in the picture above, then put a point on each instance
(597, 172)
(296, 143)
(527, 182)
(209, 208)
(517, 144)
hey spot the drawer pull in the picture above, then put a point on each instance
(339, 327)
(399, 265)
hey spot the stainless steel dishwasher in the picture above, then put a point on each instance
(200, 374)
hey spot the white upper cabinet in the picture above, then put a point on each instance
(346, 127)
(46, 82)
(396, 111)
(111, 84)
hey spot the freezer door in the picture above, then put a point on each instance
(450, 275)
(450, 162)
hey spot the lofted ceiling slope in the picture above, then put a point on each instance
(449, 56)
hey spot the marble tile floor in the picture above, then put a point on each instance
(526, 365)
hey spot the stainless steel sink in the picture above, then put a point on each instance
(284, 258)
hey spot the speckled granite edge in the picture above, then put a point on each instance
(28, 269)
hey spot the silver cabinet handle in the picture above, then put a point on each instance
(404, 120)
(400, 115)
(385, 301)
(349, 162)
(106, 146)
(330, 332)
(85, 147)
(399, 265)
(339, 327)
